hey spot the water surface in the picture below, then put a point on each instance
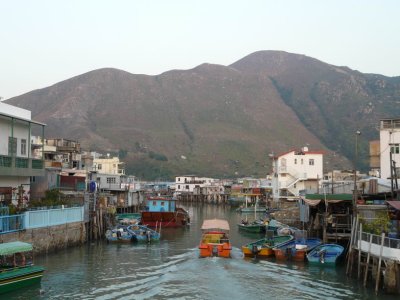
(171, 269)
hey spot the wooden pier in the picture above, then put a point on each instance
(374, 258)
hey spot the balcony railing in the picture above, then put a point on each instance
(20, 166)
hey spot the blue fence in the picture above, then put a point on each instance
(52, 217)
(11, 223)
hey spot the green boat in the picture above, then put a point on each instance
(16, 267)
(255, 226)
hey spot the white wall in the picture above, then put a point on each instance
(387, 137)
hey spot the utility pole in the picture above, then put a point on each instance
(355, 192)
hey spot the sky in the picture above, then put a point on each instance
(43, 42)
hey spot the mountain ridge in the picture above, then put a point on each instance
(224, 120)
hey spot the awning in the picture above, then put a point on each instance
(216, 224)
(14, 247)
(395, 204)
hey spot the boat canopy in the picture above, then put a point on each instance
(14, 247)
(215, 224)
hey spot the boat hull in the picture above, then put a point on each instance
(326, 254)
(296, 250)
(11, 280)
(219, 250)
(264, 247)
(252, 228)
(290, 254)
(142, 233)
(165, 219)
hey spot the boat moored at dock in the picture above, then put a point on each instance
(162, 211)
(263, 247)
(325, 254)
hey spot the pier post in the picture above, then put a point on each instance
(367, 262)
(378, 275)
(359, 253)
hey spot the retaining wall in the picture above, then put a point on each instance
(47, 239)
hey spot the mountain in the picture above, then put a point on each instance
(216, 120)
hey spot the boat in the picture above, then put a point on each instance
(119, 234)
(256, 208)
(162, 211)
(295, 250)
(255, 226)
(16, 267)
(325, 254)
(141, 233)
(263, 247)
(215, 240)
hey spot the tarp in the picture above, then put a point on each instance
(395, 204)
(215, 224)
(14, 247)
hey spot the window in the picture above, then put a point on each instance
(301, 161)
(110, 179)
(311, 162)
(187, 187)
(295, 161)
(154, 203)
(99, 167)
(23, 146)
(12, 145)
(179, 187)
(162, 203)
(395, 148)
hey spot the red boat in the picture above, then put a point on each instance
(162, 211)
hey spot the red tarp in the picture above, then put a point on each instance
(395, 204)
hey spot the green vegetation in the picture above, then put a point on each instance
(157, 156)
(380, 224)
(52, 198)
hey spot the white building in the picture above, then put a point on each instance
(18, 158)
(389, 143)
(296, 172)
(108, 166)
(188, 183)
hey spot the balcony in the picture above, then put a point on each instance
(21, 166)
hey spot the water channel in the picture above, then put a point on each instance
(171, 269)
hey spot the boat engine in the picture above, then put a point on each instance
(254, 249)
(322, 256)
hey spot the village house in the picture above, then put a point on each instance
(389, 148)
(19, 161)
(296, 172)
(188, 183)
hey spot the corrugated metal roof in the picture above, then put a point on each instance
(348, 197)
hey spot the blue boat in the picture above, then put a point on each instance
(141, 233)
(296, 249)
(119, 234)
(325, 254)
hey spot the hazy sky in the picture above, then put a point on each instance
(44, 42)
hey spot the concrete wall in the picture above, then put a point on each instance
(47, 239)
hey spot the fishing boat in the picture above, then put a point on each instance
(141, 233)
(263, 247)
(16, 266)
(295, 250)
(215, 240)
(255, 226)
(325, 254)
(119, 234)
(162, 211)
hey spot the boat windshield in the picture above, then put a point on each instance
(18, 259)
